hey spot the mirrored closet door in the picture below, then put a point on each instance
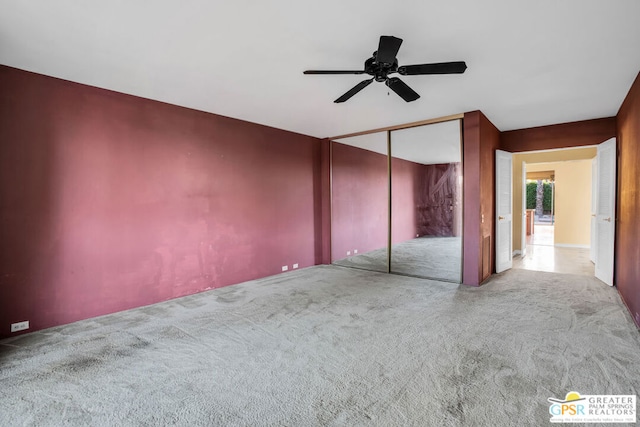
(359, 202)
(426, 201)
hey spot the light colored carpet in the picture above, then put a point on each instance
(330, 346)
(438, 258)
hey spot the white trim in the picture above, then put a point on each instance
(517, 252)
(568, 245)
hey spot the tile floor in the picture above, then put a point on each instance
(543, 235)
(542, 255)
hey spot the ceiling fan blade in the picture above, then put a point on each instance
(388, 49)
(357, 88)
(456, 67)
(334, 72)
(401, 88)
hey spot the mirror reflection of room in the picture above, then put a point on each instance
(426, 213)
(359, 206)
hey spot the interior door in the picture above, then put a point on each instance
(523, 245)
(605, 210)
(504, 208)
(594, 197)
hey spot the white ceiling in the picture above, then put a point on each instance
(530, 62)
(431, 144)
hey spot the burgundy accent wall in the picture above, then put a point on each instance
(565, 135)
(322, 194)
(109, 201)
(480, 140)
(360, 203)
(627, 259)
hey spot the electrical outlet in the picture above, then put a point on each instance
(285, 268)
(295, 266)
(20, 326)
(348, 253)
(355, 251)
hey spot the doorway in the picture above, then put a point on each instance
(569, 253)
(555, 237)
(539, 201)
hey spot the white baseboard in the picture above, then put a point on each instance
(517, 252)
(568, 245)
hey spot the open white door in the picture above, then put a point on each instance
(605, 210)
(504, 207)
(523, 243)
(594, 198)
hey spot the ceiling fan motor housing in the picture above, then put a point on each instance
(379, 70)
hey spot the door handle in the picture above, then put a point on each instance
(608, 219)
(593, 215)
(500, 217)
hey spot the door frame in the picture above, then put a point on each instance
(615, 194)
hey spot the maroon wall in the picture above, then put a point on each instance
(564, 135)
(359, 200)
(627, 260)
(322, 194)
(480, 140)
(109, 201)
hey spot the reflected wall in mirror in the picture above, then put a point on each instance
(426, 201)
(359, 205)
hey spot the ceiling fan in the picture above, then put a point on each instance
(384, 62)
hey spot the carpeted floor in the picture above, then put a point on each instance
(438, 258)
(328, 345)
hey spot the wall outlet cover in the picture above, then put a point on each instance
(295, 265)
(285, 268)
(19, 326)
